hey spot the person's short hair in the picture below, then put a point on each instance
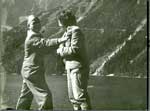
(66, 17)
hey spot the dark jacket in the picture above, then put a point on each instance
(74, 50)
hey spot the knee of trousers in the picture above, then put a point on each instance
(80, 97)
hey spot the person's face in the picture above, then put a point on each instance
(35, 26)
(60, 24)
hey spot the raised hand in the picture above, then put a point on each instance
(63, 39)
(59, 50)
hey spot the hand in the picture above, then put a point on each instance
(59, 50)
(63, 39)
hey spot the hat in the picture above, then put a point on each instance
(32, 18)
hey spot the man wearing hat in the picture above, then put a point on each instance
(34, 83)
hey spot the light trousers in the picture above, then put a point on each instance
(77, 89)
(40, 91)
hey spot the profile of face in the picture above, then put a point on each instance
(60, 23)
(35, 26)
(33, 23)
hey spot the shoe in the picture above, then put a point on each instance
(76, 107)
(84, 106)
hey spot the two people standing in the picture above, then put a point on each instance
(71, 48)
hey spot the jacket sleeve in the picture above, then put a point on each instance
(75, 44)
(43, 42)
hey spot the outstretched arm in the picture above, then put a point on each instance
(38, 42)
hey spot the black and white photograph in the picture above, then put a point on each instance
(74, 55)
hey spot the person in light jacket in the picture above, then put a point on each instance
(74, 55)
(34, 83)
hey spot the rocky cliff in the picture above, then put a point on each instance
(115, 32)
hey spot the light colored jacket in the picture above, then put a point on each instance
(35, 48)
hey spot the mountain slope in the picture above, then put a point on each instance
(107, 25)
